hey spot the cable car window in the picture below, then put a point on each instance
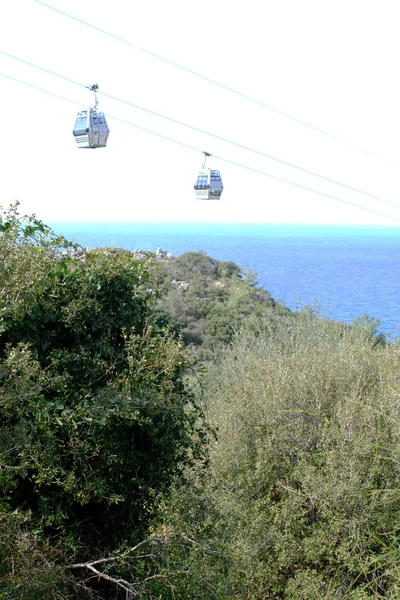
(80, 123)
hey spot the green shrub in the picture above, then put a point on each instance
(95, 417)
(302, 490)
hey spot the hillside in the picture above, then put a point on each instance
(273, 475)
(208, 300)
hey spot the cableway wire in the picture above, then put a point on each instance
(199, 130)
(197, 150)
(217, 83)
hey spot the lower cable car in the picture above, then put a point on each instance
(91, 129)
(208, 184)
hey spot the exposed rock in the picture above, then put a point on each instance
(160, 253)
(182, 285)
(139, 254)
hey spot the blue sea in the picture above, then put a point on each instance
(348, 270)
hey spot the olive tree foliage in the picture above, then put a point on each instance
(95, 419)
(301, 499)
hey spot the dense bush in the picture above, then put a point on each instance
(301, 499)
(95, 417)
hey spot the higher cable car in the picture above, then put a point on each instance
(208, 184)
(91, 129)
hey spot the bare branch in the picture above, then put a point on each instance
(118, 557)
(135, 588)
(204, 550)
(122, 583)
(131, 589)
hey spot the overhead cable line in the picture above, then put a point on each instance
(217, 83)
(247, 148)
(197, 150)
(199, 130)
(31, 64)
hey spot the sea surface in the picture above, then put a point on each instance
(348, 271)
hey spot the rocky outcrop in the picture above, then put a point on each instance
(160, 253)
(181, 285)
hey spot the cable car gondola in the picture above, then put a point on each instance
(208, 185)
(91, 129)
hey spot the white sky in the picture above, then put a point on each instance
(333, 64)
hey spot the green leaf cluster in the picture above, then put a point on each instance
(301, 497)
(95, 418)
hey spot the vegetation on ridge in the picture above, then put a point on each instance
(209, 300)
(275, 476)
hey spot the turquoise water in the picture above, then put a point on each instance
(349, 270)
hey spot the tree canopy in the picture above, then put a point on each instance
(95, 417)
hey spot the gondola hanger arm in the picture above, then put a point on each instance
(94, 88)
(206, 155)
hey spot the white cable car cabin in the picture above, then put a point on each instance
(91, 129)
(208, 184)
